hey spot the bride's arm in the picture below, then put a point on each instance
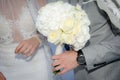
(29, 46)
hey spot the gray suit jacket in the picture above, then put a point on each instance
(102, 53)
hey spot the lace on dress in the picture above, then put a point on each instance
(14, 21)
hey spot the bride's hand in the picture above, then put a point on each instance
(28, 47)
(2, 77)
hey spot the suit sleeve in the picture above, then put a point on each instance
(103, 52)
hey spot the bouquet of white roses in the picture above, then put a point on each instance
(63, 23)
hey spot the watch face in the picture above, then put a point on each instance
(81, 60)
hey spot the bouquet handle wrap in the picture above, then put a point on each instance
(59, 49)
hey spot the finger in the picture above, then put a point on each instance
(56, 62)
(31, 51)
(60, 67)
(24, 49)
(62, 72)
(26, 52)
(56, 57)
(27, 49)
(18, 47)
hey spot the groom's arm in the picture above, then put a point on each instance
(102, 53)
(104, 45)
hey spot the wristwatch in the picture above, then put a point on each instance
(81, 58)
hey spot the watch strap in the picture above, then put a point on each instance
(81, 58)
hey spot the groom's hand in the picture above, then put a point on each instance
(65, 61)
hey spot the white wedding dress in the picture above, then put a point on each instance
(16, 24)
